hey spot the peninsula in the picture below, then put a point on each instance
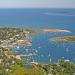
(15, 37)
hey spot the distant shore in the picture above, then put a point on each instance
(58, 14)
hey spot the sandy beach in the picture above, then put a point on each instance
(55, 30)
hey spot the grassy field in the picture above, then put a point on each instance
(19, 69)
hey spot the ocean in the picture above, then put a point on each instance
(43, 50)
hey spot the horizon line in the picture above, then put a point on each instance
(37, 8)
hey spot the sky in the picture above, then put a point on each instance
(37, 3)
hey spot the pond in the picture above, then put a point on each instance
(28, 66)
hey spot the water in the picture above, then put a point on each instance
(44, 50)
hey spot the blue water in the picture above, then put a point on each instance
(43, 49)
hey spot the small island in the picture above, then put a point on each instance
(55, 30)
(63, 39)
